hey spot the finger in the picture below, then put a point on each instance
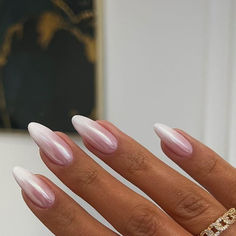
(187, 203)
(203, 164)
(128, 212)
(57, 211)
(230, 231)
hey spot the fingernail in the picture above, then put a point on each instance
(96, 135)
(173, 140)
(34, 187)
(51, 144)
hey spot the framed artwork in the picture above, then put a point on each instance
(48, 62)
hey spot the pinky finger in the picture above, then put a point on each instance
(55, 209)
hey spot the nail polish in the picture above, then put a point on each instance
(51, 144)
(34, 187)
(173, 140)
(96, 135)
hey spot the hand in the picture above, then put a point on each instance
(189, 209)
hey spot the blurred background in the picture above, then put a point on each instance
(166, 61)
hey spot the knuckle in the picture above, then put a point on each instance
(87, 177)
(191, 206)
(208, 165)
(67, 219)
(142, 222)
(136, 162)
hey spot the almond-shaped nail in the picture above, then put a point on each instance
(173, 140)
(51, 144)
(34, 187)
(95, 134)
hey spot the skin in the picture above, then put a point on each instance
(189, 208)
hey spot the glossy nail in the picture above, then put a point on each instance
(173, 140)
(96, 135)
(51, 144)
(34, 187)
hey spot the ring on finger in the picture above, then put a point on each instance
(221, 224)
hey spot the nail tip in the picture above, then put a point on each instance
(33, 127)
(157, 126)
(76, 119)
(79, 117)
(15, 169)
(32, 124)
(80, 122)
(18, 172)
(15, 174)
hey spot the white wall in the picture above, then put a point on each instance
(155, 57)
(158, 67)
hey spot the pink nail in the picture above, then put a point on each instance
(173, 140)
(34, 187)
(51, 144)
(96, 135)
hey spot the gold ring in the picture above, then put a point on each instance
(221, 224)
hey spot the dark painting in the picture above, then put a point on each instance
(47, 62)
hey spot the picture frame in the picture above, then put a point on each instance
(98, 92)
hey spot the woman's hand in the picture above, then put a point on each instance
(188, 208)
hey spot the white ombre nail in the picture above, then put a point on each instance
(51, 144)
(34, 187)
(173, 140)
(96, 135)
